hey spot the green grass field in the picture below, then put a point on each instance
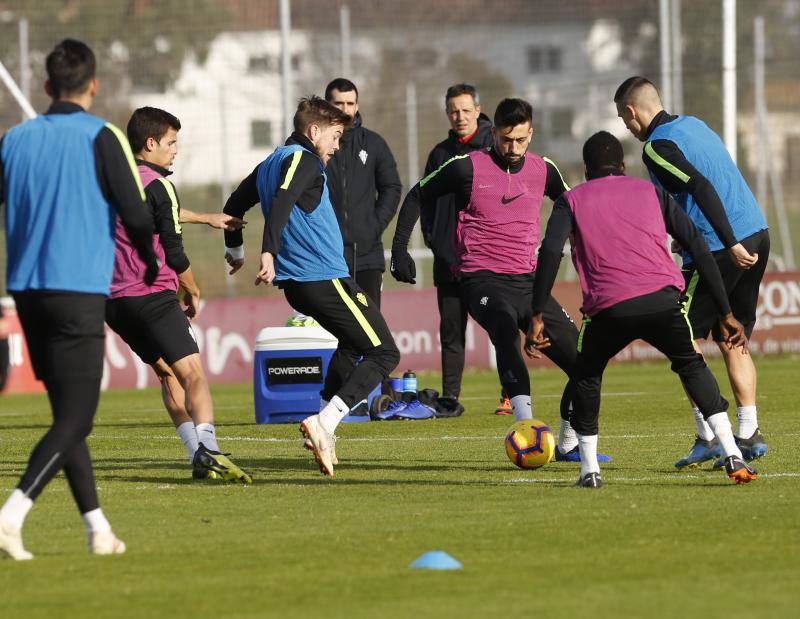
(653, 543)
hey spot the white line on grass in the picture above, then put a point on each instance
(666, 476)
(677, 476)
(401, 439)
(608, 394)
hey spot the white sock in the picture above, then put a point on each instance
(748, 421)
(95, 522)
(189, 437)
(16, 508)
(567, 438)
(521, 404)
(704, 431)
(332, 414)
(207, 435)
(721, 426)
(587, 443)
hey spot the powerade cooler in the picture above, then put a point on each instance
(289, 370)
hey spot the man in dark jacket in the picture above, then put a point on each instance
(470, 130)
(365, 191)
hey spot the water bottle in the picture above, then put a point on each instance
(409, 386)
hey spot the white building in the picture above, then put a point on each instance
(230, 106)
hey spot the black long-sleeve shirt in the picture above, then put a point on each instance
(665, 160)
(455, 177)
(678, 224)
(118, 180)
(165, 208)
(301, 183)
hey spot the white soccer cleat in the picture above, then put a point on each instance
(105, 544)
(321, 443)
(11, 543)
(310, 446)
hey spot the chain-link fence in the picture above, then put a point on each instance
(218, 66)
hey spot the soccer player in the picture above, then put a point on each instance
(689, 160)
(365, 190)
(631, 289)
(64, 177)
(149, 318)
(302, 253)
(470, 130)
(498, 193)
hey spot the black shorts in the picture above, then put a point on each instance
(741, 286)
(64, 333)
(153, 325)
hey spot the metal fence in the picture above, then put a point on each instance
(231, 73)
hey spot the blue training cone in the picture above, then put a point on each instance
(436, 560)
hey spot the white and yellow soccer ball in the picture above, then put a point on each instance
(530, 444)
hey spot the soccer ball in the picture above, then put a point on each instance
(530, 444)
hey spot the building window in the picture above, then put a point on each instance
(260, 134)
(262, 64)
(561, 122)
(544, 59)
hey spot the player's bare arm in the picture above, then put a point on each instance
(221, 221)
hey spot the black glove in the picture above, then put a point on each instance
(403, 268)
(151, 272)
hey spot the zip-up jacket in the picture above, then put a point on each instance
(300, 227)
(497, 206)
(365, 191)
(64, 177)
(162, 200)
(439, 224)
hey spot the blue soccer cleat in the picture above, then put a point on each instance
(701, 451)
(574, 455)
(752, 448)
(395, 406)
(415, 410)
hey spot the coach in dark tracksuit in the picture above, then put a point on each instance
(364, 189)
(471, 130)
(64, 177)
(631, 289)
(302, 252)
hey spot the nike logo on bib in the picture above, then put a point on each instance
(505, 200)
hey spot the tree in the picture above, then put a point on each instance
(138, 43)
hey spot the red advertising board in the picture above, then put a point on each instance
(226, 331)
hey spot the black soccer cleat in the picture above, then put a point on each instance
(739, 471)
(590, 480)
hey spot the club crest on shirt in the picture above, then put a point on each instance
(360, 296)
(363, 156)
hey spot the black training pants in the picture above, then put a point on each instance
(605, 334)
(452, 335)
(502, 305)
(343, 309)
(66, 339)
(371, 282)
